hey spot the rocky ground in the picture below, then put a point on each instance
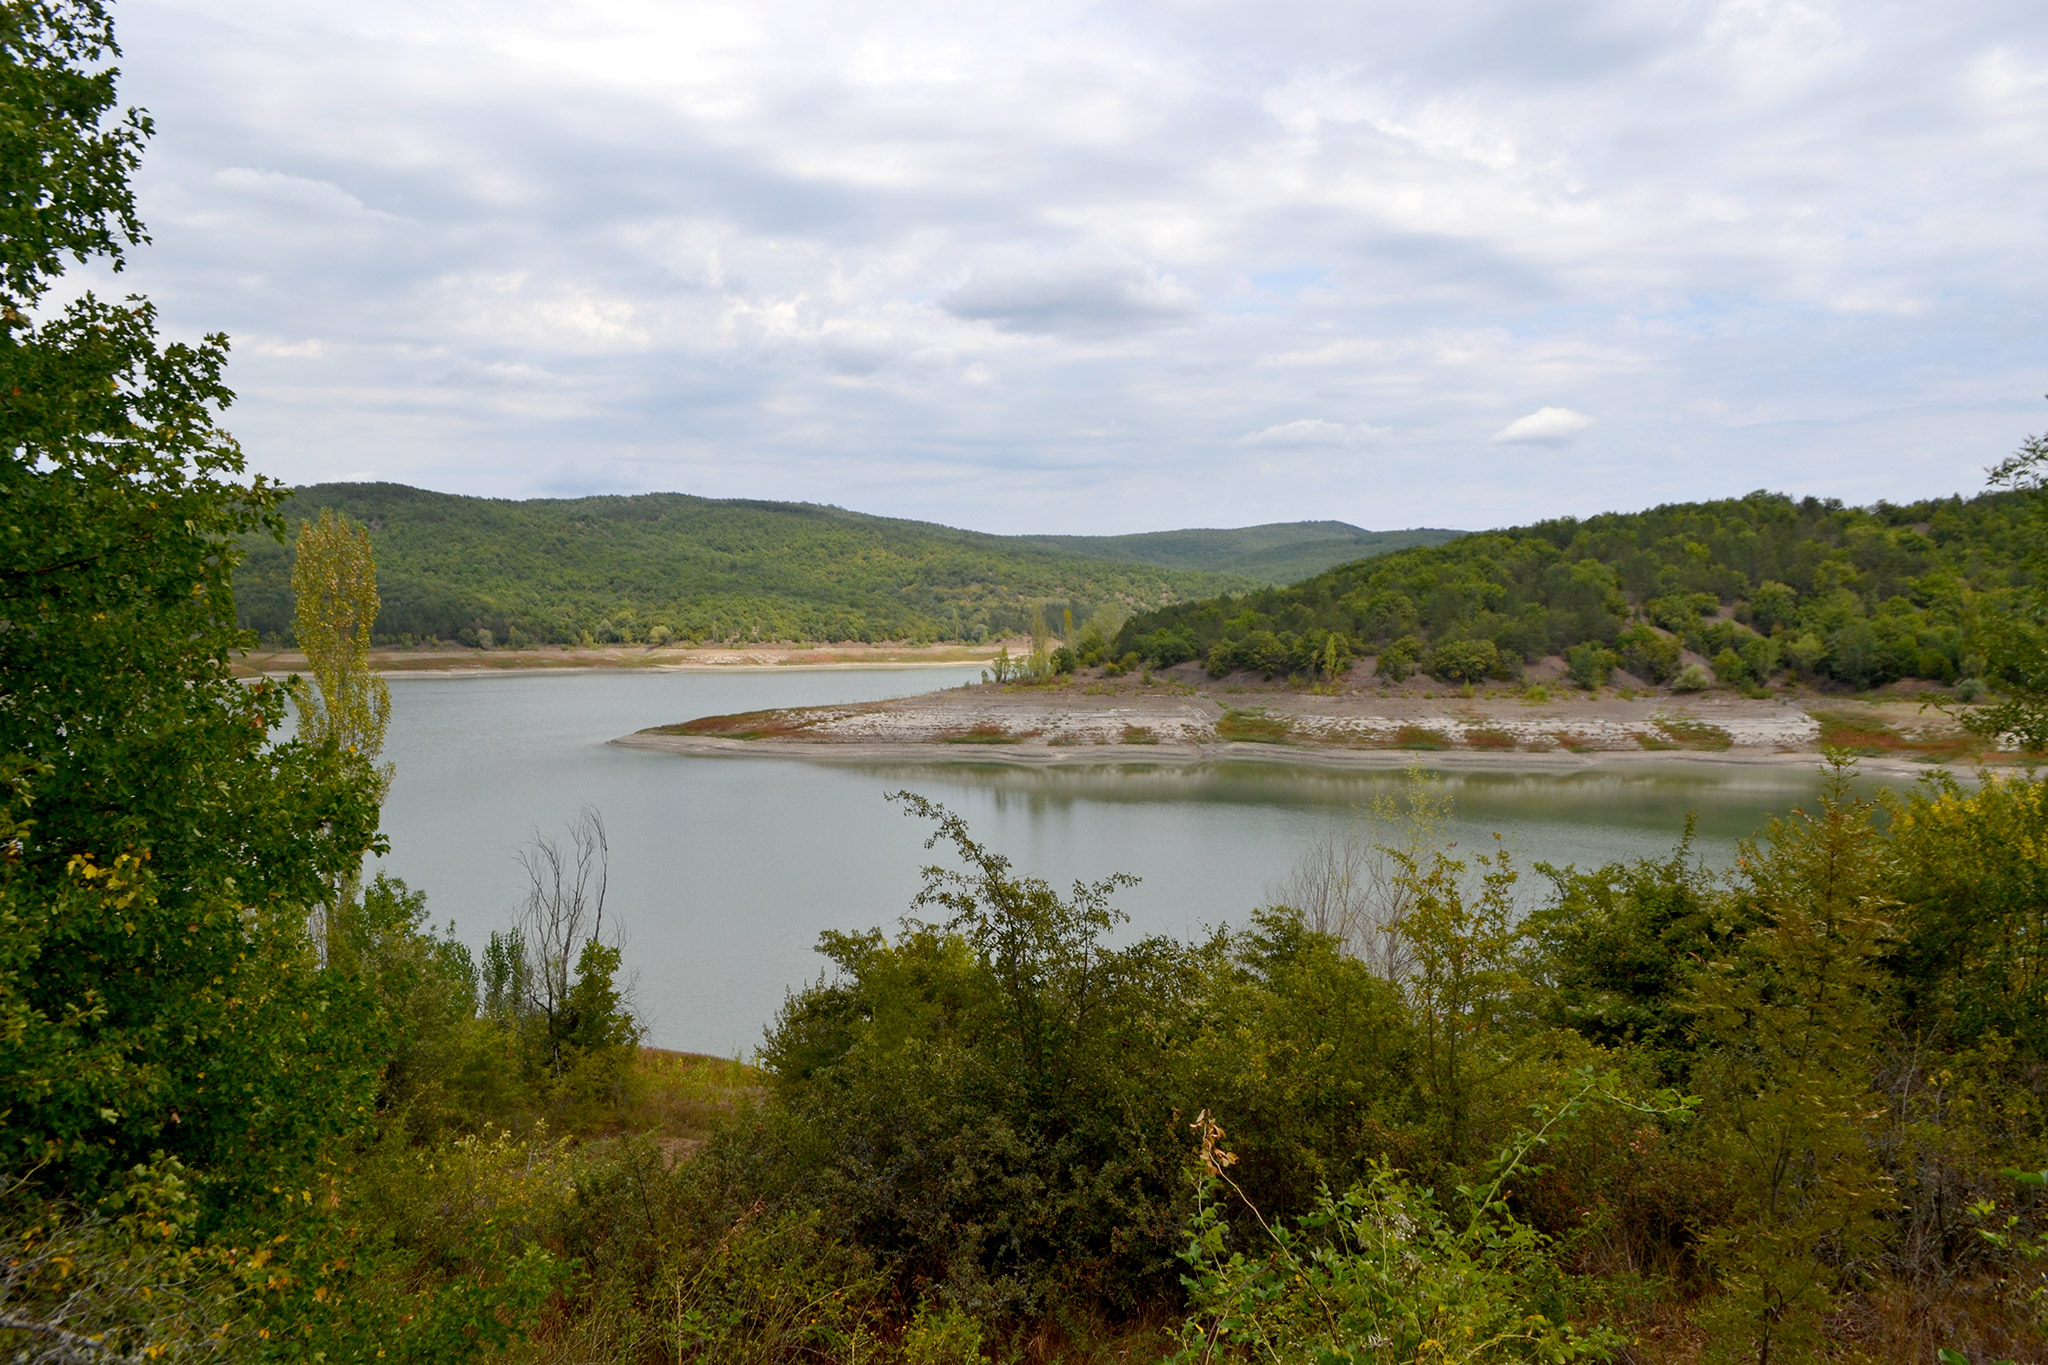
(1182, 716)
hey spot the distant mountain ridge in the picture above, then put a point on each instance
(1279, 552)
(672, 566)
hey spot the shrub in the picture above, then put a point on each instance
(1463, 661)
(1397, 660)
(1648, 654)
(1692, 678)
(1590, 666)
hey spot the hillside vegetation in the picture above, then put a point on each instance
(1763, 586)
(669, 566)
(1278, 552)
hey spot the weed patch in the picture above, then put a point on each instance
(1255, 727)
(1139, 734)
(985, 733)
(1693, 734)
(1419, 737)
(742, 725)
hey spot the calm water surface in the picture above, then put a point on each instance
(724, 870)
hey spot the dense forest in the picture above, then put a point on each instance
(666, 566)
(1762, 586)
(1428, 1106)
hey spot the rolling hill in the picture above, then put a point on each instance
(1278, 552)
(1763, 586)
(671, 566)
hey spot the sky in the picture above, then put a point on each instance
(1054, 266)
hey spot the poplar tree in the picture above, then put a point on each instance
(334, 592)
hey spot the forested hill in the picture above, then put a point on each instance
(666, 565)
(1278, 552)
(1764, 586)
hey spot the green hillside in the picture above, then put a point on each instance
(666, 565)
(1278, 552)
(1763, 586)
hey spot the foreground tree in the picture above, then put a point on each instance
(2018, 660)
(161, 852)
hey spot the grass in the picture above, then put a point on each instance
(985, 733)
(741, 725)
(1255, 727)
(1690, 733)
(1864, 734)
(1139, 734)
(1488, 738)
(680, 1097)
(1650, 741)
(1419, 737)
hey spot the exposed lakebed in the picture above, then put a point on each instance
(724, 870)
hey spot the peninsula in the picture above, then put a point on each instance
(1180, 716)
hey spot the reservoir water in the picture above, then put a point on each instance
(724, 870)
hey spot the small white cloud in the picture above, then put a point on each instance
(1310, 431)
(1545, 426)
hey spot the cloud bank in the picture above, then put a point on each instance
(1072, 267)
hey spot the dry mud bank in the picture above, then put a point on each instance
(457, 661)
(1179, 720)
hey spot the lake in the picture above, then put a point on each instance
(724, 870)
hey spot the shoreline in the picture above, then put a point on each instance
(1186, 721)
(865, 754)
(390, 663)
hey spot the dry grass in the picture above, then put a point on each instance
(1255, 727)
(1650, 741)
(987, 733)
(678, 1098)
(1862, 733)
(1139, 734)
(1690, 733)
(1486, 738)
(743, 725)
(1420, 737)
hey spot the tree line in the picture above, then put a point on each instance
(665, 567)
(1765, 587)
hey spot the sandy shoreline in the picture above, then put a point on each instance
(1183, 719)
(475, 663)
(1192, 755)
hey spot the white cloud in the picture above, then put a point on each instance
(1310, 432)
(1545, 426)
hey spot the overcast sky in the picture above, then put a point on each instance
(1067, 267)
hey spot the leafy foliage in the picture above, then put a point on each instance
(1810, 588)
(667, 566)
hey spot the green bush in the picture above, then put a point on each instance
(1463, 661)
(1590, 665)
